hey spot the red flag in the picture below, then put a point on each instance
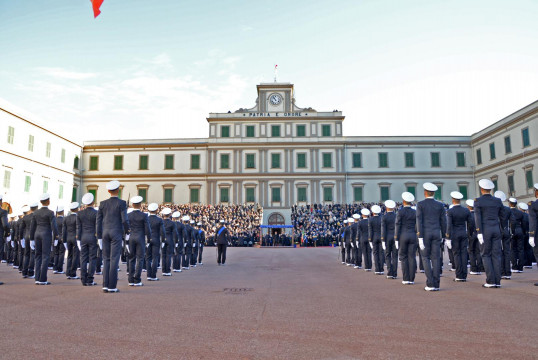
(96, 4)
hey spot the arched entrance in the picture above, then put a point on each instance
(276, 219)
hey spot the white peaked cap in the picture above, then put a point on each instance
(60, 208)
(87, 199)
(221, 220)
(350, 220)
(34, 205)
(536, 186)
(356, 216)
(176, 214)
(486, 184)
(470, 202)
(130, 210)
(44, 197)
(512, 200)
(376, 209)
(523, 206)
(192, 221)
(199, 224)
(429, 186)
(365, 212)
(500, 195)
(166, 211)
(74, 205)
(137, 199)
(413, 207)
(345, 221)
(456, 195)
(153, 207)
(390, 204)
(407, 196)
(25, 208)
(113, 185)
(185, 218)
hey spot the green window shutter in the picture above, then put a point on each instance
(492, 151)
(7, 179)
(463, 190)
(250, 195)
(357, 193)
(409, 159)
(225, 131)
(195, 196)
(143, 162)
(94, 162)
(47, 153)
(301, 194)
(460, 159)
(412, 189)
(327, 160)
(10, 134)
(63, 156)
(61, 192)
(275, 161)
(275, 130)
(250, 131)
(507, 145)
(511, 187)
(195, 161)
(275, 194)
(495, 185)
(357, 160)
(224, 195)
(27, 183)
(384, 193)
(439, 193)
(326, 130)
(75, 162)
(74, 194)
(436, 159)
(528, 177)
(327, 194)
(94, 192)
(301, 160)
(251, 164)
(31, 143)
(118, 162)
(478, 156)
(224, 161)
(383, 160)
(526, 138)
(301, 130)
(169, 162)
(144, 194)
(168, 195)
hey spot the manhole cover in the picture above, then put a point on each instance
(237, 291)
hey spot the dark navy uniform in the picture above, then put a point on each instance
(342, 243)
(156, 225)
(365, 244)
(194, 246)
(431, 225)
(5, 232)
(59, 249)
(28, 259)
(178, 251)
(187, 245)
(474, 247)
(44, 230)
(518, 239)
(458, 221)
(139, 236)
(533, 224)
(489, 213)
(374, 236)
(69, 237)
(223, 237)
(388, 223)
(201, 242)
(86, 230)
(112, 223)
(169, 245)
(506, 243)
(357, 253)
(406, 235)
(347, 240)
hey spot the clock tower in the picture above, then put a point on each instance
(275, 97)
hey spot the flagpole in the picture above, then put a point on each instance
(276, 71)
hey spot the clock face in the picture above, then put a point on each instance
(275, 99)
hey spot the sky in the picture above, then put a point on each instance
(156, 69)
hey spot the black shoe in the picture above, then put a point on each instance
(91, 284)
(1, 283)
(535, 284)
(45, 283)
(84, 284)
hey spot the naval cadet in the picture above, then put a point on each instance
(5, 230)
(506, 243)
(69, 238)
(195, 243)
(154, 246)
(178, 247)
(342, 241)
(518, 237)
(489, 215)
(533, 223)
(28, 259)
(87, 240)
(355, 239)
(458, 221)
(168, 245)
(112, 224)
(139, 236)
(363, 239)
(43, 231)
(388, 223)
(59, 248)
(223, 238)
(431, 226)
(348, 241)
(187, 242)
(201, 241)
(405, 238)
(374, 237)
(474, 249)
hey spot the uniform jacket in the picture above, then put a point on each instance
(86, 224)
(388, 224)
(69, 232)
(459, 219)
(533, 218)
(156, 225)
(406, 222)
(489, 213)
(431, 218)
(363, 229)
(224, 236)
(44, 220)
(516, 221)
(139, 223)
(112, 216)
(374, 228)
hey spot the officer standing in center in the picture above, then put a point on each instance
(458, 221)
(388, 223)
(154, 247)
(374, 237)
(405, 236)
(140, 234)
(69, 238)
(223, 237)
(86, 240)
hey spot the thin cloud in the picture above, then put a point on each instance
(61, 73)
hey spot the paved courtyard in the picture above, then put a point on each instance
(270, 304)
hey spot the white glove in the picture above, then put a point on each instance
(185, 245)
(194, 245)
(162, 246)
(8, 239)
(23, 243)
(127, 237)
(339, 244)
(78, 244)
(421, 244)
(147, 245)
(32, 244)
(396, 245)
(55, 242)
(357, 243)
(177, 244)
(65, 246)
(128, 250)
(531, 242)
(352, 245)
(13, 244)
(383, 246)
(100, 242)
(448, 243)
(480, 238)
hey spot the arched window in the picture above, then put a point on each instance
(276, 219)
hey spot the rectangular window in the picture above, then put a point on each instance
(75, 162)
(45, 186)
(7, 179)
(143, 162)
(325, 130)
(526, 138)
(224, 194)
(478, 156)
(74, 194)
(275, 130)
(251, 163)
(328, 193)
(385, 193)
(143, 193)
(168, 162)
(301, 194)
(94, 193)
(275, 161)
(275, 194)
(94, 162)
(327, 160)
(168, 195)
(63, 156)
(495, 185)
(250, 131)
(357, 160)
(195, 196)
(357, 193)
(27, 183)
(225, 131)
(436, 159)
(412, 189)
(10, 134)
(118, 162)
(301, 130)
(120, 192)
(224, 161)
(47, 153)
(409, 159)
(195, 161)
(31, 143)
(383, 159)
(460, 159)
(511, 187)
(492, 151)
(301, 161)
(439, 193)
(463, 190)
(61, 192)
(528, 177)
(507, 145)
(250, 195)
